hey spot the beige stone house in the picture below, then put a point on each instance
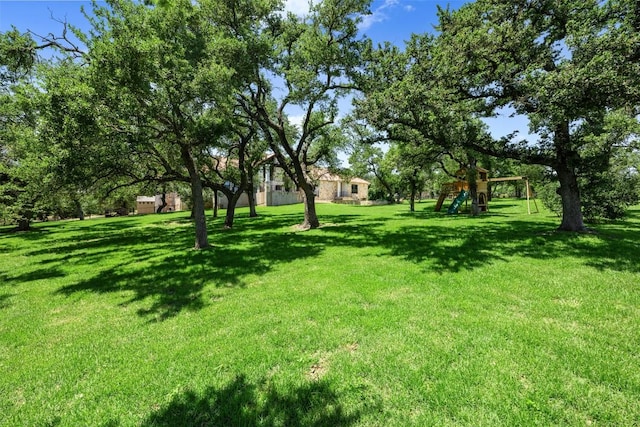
(332, 187)
(277, 189)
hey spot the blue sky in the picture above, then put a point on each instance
(390, 20)
(37, 15)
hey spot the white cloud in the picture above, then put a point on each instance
(301, 8)
(297, 7)
(296, 120)
(369, 20)
(378, 14)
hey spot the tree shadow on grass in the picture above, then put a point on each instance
(445, 247)
(39, 274)
(421, 214)
(450, 249)
(34, 233)
(270, 222)
(241, 403)
(169, 284)
(133, 261)
(151, 267)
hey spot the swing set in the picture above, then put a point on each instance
(527, 187)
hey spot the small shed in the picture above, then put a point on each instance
(145, 204)
(151, 204)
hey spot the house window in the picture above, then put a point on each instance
(354, 188)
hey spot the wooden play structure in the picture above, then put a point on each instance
(458, 191)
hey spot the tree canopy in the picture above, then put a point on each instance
(315, 57)
(161, 92)
(566, 65)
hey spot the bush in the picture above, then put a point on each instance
(608, 195)
(604, 195)
(547, 192)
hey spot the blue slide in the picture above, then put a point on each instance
(464, 195)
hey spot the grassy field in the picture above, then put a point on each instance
(379, 318)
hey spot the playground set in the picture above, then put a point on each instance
(458, 191)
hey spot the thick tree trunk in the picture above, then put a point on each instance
(234, 196)
(199, 218)
(228, 218)
(569, 191)
(197, 210)
(24, 224)
(231, 209)
(310, 216)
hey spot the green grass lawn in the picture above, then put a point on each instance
(379, 318)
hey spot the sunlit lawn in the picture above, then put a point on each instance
(380, 317)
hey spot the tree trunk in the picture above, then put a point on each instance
(473, 195)
(472, 179)
(251, 195)
(414, 189)
(215, 203)
(197, 210)
(572, 219)
(231, 209)
(386, 185)
(569, 191)
(310, 216)
(201, 240)
(241, 188)
(163, 201)
(24, 224)
(412, 197)
(79, 211)
(228, 218)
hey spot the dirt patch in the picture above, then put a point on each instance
(351, 348)
(318, 369)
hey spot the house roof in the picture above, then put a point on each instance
(359, 181)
